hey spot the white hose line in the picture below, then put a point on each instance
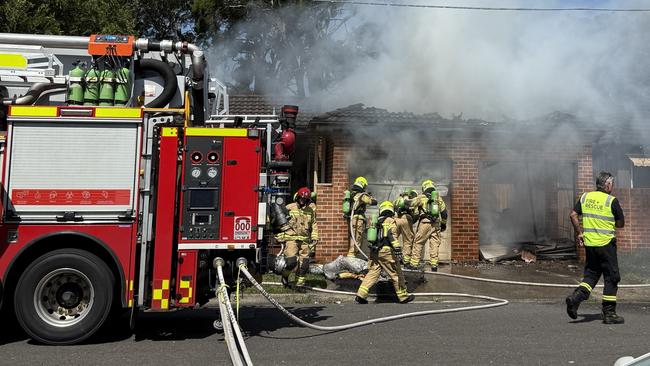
(228, 336)
(500, 302)
(233, 319)
(508, 282)
(349, 293)
(354, 239)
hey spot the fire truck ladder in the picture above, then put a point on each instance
(26, 68)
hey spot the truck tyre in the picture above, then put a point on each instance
(64, 296)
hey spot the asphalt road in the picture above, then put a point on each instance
(517, 334)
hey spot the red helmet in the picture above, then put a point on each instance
(304, 193)
(303, 196)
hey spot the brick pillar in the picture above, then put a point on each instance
(584, 180)
(331, 225)
(464, 201)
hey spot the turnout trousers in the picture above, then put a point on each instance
(601, 261)
(434, 246)
(383, 259)
(424, 231)
(300, 250)
(358, 228)
(405, 234)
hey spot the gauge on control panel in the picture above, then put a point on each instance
(212, 172)
(196, 157)
(196, 172)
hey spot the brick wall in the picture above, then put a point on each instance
(331, 225)
(636, 233)
(466, 153)
(585, 181)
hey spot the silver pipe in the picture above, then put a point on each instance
(196, 54)
(45, 40)
(32, 94)
(198, 66)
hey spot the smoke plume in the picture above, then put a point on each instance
(502, 64)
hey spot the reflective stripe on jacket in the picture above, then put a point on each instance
(598, 221)
(302, 222)
(389, 233)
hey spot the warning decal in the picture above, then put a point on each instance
(242, 228)
(70, 197)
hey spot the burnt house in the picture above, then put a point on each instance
(507, 185)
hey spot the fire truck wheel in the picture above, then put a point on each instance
(64, 296)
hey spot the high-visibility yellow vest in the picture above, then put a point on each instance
(598, 221)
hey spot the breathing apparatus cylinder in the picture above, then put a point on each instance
(122, 90)
(433, 204)
(75, 87)
(106, 89)
(346, 203)
(91, 94)
(372, 229)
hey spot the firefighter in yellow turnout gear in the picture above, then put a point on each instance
(385, 253)
(432, 220)
(404, 210)
(301, 236)
(359, 200)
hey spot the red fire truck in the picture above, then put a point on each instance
(123, 178)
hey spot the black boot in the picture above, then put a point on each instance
(609, 314)
(360, 300)
(573, 302)
(408, 299)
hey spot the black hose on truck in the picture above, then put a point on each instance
(169, 78)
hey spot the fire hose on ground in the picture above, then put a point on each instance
(521, 283)
(498, 302)
(481, 279)
(354, 239)
(235, 341)
(230, 324)
(229, 320)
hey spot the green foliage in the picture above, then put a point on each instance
(164, 19)
(277, 47)
(67, 17)
(269, 46)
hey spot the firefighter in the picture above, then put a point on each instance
(300, 236)
(601, 215)
(404, 221)
(432, 220)
(385, 253)
(359, 199)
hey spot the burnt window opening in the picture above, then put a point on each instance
(525, 205)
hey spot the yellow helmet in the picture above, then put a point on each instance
(386, 208)
(361, 182)
(428, 186)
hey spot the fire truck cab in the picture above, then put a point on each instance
(123, 178)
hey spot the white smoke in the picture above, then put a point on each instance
(498, 65)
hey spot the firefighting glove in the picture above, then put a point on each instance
(373, 202)
(312, 249)
(443, 227)
(397, 252)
